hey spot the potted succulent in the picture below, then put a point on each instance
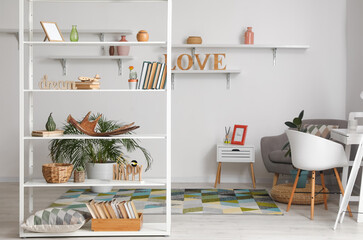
(79, 174)
(97, 155)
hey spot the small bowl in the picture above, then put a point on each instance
(194, 40)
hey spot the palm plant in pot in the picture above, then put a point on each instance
(96, 155)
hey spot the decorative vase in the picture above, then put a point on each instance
(74, 34)
(142, 36)
(249, 36)
(79, 176)
(100, 171)
(111, 51)
(194, 40)
(301, 183)
(123, 50)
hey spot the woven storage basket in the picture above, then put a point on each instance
(57, 172)
(281, 193)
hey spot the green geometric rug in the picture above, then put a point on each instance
(184, 201)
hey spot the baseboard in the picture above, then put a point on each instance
(9, 179)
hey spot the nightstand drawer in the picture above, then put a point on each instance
(235, 154)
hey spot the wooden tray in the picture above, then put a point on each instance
(117, 224)
(44, 133)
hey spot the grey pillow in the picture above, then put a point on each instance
(54, 220)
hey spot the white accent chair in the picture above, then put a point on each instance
(313, 153)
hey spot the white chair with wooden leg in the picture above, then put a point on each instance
(315, 154)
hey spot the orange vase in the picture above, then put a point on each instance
(249, 36)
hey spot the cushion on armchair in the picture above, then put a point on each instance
(320, 130)
(278, 156)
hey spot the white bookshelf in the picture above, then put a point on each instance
(27, 47)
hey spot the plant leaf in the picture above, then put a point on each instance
(290, 124)
(301, 115)
(297, 121)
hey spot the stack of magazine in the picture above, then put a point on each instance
(153, 75)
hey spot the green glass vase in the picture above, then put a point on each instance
(74, 34)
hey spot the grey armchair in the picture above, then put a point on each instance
(274, 157)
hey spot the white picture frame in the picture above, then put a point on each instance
(52, 32)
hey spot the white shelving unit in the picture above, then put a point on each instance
(26, 96)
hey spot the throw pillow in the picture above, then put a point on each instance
(54, 220)
(320, 130)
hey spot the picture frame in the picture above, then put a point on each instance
(52, 32)
(239, 134)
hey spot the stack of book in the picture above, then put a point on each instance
(112, 210)
(153, 75)
(88, 83)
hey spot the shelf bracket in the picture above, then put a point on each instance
(64, 66)
(274, 50)
(193, 57)
(119, 63)
(228, 78)
(172, 81)
(102, 39)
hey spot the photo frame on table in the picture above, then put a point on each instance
(52, 32)
(239, 134)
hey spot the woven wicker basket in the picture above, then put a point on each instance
(281, 193)
(57, 172)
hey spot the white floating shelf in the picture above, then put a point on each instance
(100, 1)
(81, 31)
(147, 229)
(227, 72)
(64, 60)
(93, 90)
(154, 43)
(124, 136)
(262, 46)
(97, 182)
(205, 71)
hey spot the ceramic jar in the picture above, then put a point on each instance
(249, 36)
(142, 36)
(123, 50)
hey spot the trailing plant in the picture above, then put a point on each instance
(295, 124)
(82, 151)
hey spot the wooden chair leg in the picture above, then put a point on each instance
(276, 178)
(324, 190)
(220, 173)
(293, 190)
(217, 175)
(342, 189)
(312, 195)
(253, 176)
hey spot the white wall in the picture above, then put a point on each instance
(262, 96)
(354, 55)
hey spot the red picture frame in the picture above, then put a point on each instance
(239, 134)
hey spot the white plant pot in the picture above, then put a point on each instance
(102, 171)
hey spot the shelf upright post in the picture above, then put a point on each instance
(168, 122)
(30, 102)
(21, 115)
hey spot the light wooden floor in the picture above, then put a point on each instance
(293, 225)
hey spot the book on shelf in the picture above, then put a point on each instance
(143, 73)
(112, 209)
(152, 76)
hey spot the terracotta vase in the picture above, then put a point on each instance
(123, 50)
(249, 36)
(112, 50)
(142, 36)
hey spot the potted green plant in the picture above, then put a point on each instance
(297, 125)
(97, 155)
(79, 174)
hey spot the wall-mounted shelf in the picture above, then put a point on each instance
(93, 90)
(227, 72)
(151, 43)
(123, 136)
(64, 59)
(273, 47)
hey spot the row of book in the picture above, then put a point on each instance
(153, 75)
(112, 209)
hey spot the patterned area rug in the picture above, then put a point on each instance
(184, 201)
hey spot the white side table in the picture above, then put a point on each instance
(235, 154)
